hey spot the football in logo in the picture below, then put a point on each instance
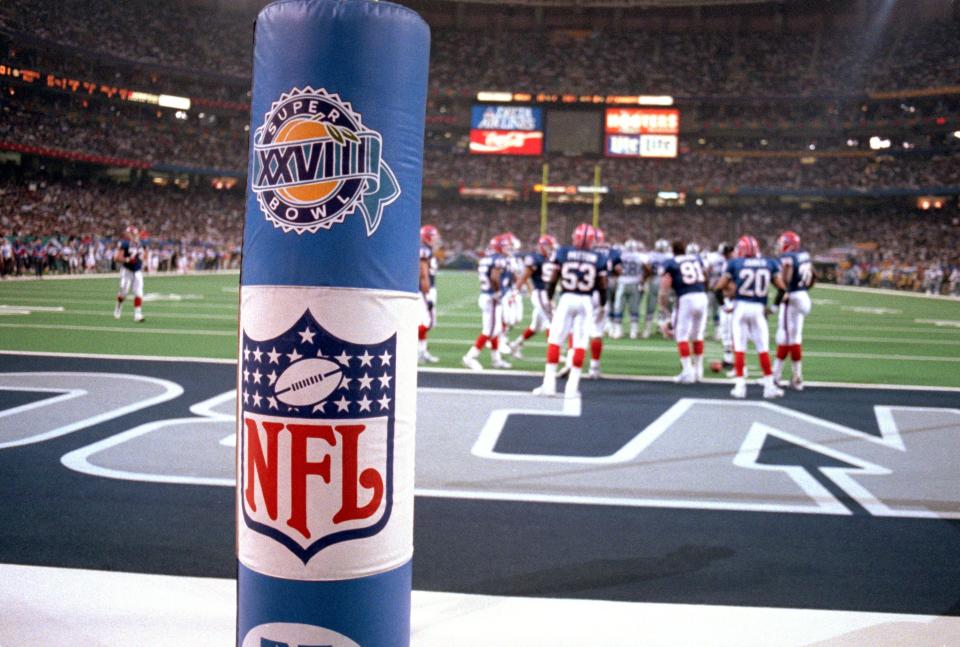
(315, 163)
(308, 381)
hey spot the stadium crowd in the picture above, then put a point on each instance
(688, 62)
(71, 226)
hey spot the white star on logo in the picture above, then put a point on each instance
(246, 375)
(365, 358)
(384, 403)
(294, 356)
(272, 402)
(256, 376)
(246, 396)
(346, 383)
(256, 399)
(383, 379)
(257, 354)
(365, 382)
(342, 404)
(274, 356)
(385, 358)
(320, 407)
(306, 335)
(364, 403)
(343, 358)
(246, 353)
(272, 376)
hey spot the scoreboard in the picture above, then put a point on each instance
(618, 131)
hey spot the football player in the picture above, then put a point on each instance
(685, 275)
(429, 239)
(130, 255)
(797, 273)
(490, 272)
(601, 303)
(511, 299)
(580, 272)
(656, 259)
(721, 304)
(536, 273)
(634, 273)
(750, 276)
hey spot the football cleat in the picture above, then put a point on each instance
(139, 318)
(118, 311)
(472, 363)
(739, 390)
(542, 391)
(425, 356)
(515, 350)
(499, 363)
(796, 383)
(563, 371)
(772, 391)
(593, 374)
(685, 378)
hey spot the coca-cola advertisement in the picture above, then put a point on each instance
(506, 142)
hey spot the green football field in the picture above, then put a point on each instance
(851, 335)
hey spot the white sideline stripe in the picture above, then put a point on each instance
(156, 315)
(113, 329)
(893, 293)
(179, 610)
(671, 349)
(107, 275)
(142, 358)
(208, 304)
(6, 307)
(463, 371)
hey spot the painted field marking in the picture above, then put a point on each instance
(159, 296)
(940, 323)
(231, 305)
(869, 310)
(26, 310)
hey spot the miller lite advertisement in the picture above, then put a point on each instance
(641, 132)
(506, 130)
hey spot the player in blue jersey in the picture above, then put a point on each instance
(685, 275)
(656, 258)
(490, 271)
(749, 276)
(536, 275)
(580, 271)
(429, 239)
(798, 276)
(130, 256)
(634, 270)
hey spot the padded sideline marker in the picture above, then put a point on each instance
(328, 314)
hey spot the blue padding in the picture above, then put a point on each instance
(374, 56)
(372, 611)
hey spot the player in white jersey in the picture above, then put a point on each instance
(130, 255)
(536, 274)
(723, 313)
(512, 298)
(581, 271)
(634, 272)
(656, 259)
(429, 239)
(794, 304)
(490, 272)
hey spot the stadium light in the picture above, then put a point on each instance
(878, 143)
(500, 97)
(956, 133)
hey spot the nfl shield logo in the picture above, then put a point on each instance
(316, 437)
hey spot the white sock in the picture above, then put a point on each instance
(573, 382)
(550, 378)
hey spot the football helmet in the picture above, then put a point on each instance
(496, 244)
(429, 235)
(725, 249)
(632, 245)
(789, 241)
(584, 236)
(748, 247)
(692, 249)
(662, 246)
(546, 244)
(510, 241)
(132, 232)
(600, 238)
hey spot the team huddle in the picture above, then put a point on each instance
(599, 284)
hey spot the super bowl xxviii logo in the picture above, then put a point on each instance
(317, 435)
(314, 163)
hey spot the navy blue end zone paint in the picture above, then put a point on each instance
(56, 517)
(11, 399)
